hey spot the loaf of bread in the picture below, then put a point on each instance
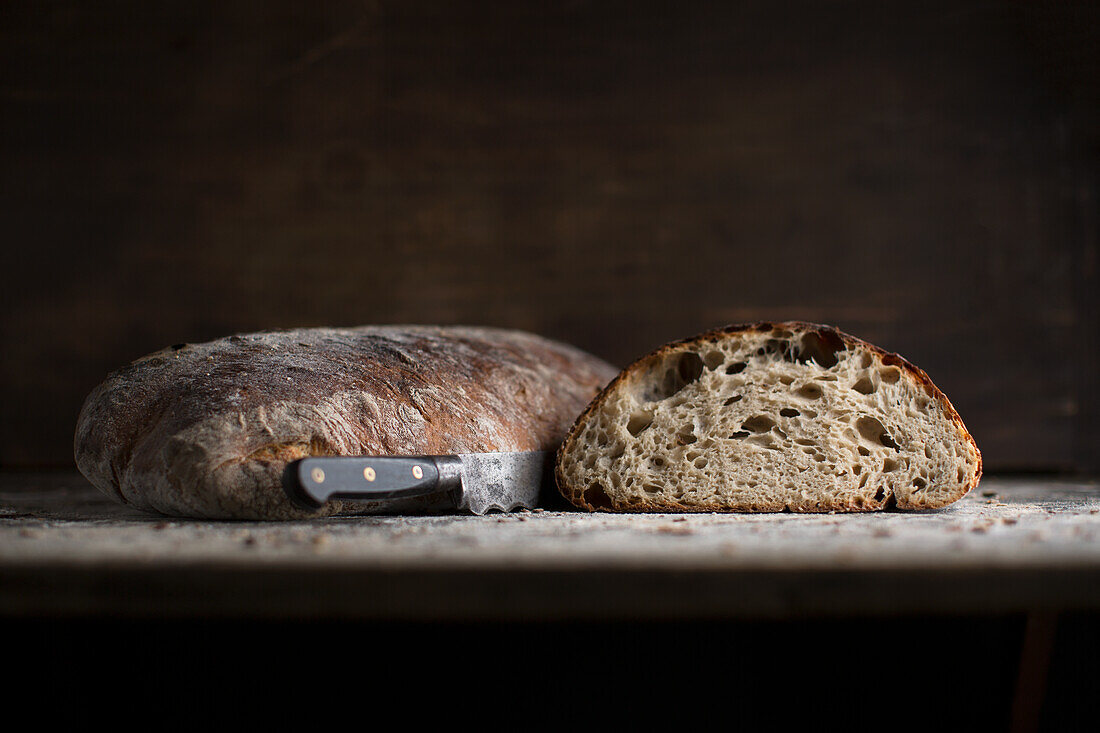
(206, 430)
(766, 418)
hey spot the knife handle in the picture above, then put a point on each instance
(310, 482)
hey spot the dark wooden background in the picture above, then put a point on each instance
(614, 174)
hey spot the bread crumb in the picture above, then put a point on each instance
(668, 529)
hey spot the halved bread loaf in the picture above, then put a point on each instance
(765, 418)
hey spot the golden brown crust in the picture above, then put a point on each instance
(575, 495)
(205, 430)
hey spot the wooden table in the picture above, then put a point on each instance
(1013, 545)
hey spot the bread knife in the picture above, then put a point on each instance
(468, 482)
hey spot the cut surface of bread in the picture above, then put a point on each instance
(768, 417)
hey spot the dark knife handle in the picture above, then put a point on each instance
(310, 482)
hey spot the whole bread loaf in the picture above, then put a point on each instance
(765, 418)
(205, 430)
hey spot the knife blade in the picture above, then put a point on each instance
(468, 482)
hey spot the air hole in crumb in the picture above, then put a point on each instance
(890, 375)
(864, 386)
(889, 465)
(686, 436)
(596, 497)
(863, 451)
(764, 440)
(809, 391)
(777, 347)
(713, 359)
(789, 412)
(857, 469)
(739, 435)
(961, 475)
(683, 371)
(657, 461)
(880, 494)
(736, 368)
(689, 367)
(821, 347)
(639, 421)
(874, 431)
(918, 483)
(866, 360)
(870, 428)
(700, 462)
(758, 424)
(731, 400)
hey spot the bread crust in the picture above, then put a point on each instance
(575, 494)
(205, 430)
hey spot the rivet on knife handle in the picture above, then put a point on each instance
(310, 482)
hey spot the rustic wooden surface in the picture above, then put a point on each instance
(612, 174)
(1013, 545)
